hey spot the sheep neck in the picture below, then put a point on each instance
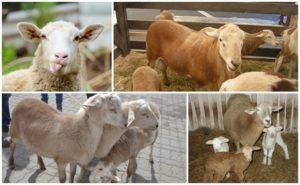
(252, 42)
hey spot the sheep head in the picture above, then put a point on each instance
(247, 151)
(268, 37)
(103, 170)
(264, 112)
(230, 42)
(59, 44)
(105, 108)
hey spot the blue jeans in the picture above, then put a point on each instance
(5, 110)
(58, 99)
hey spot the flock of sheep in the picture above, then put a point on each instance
(245, 123)
(103, 128)
(213, 57)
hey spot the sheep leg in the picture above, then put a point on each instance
(281, 143)
(41, 163)
(270, 153)
(131, 168)
(278, 63)
(11, 160)
(265, 157)
(292, 68)
(240, 176)
(163, 67)
(61, 171)
(218, 177)
(151, 155)
(72, 172)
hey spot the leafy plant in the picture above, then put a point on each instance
(8, 53)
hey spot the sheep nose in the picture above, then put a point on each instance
(156, 126)
(61, 56)
(236, 62)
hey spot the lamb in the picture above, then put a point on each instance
(208, 57)
(127, 147)
(253, 41)
(165, 15)
(139, 113)
(271, 136)
(244, 121)
(145, 79)
(223, 162)
(68, 138)
(289, 50)
(57, 64)
(260, 81)
(220, 144)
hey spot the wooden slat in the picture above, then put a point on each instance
(122, 28)
(264, 52)
(246, 7)
(250, 28)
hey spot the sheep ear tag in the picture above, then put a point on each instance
(131, 117)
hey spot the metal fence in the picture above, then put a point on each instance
(207, 110)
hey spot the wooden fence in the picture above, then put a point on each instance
(130, 33)
(207, 110)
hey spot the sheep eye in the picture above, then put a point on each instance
(76, 38)
(224, 45)
(100, 169)
(43, 36)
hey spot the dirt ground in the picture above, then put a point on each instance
(281, 171)
(125, 66)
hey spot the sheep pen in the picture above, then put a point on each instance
(125, 66)
(206, 121)
(280, 171)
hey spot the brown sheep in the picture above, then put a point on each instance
(145, 79)
(218, 165)
(209, 57)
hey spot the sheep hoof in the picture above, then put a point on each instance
(151, 161)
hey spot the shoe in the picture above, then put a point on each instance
(4, 128)
(5, 143)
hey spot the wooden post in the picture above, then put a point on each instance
(122, 28)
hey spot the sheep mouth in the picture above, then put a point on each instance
(231, 68)
(55, 67)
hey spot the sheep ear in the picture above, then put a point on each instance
(29, 31)
(90, 32)
(131, 117)
(276, 108)
(250, 111)
(212, 33)
(279, 128)
(96, 101)
(224, 139)
(209, 142)
(265, 130)
(115, 178)
(262, 34)
(255, 148)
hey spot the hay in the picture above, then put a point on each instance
(125, 66)
(284, 171)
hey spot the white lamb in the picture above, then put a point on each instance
(272, 135)
(57, 63)
(220, 144)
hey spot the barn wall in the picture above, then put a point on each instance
(207, 110)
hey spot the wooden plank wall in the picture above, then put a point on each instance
(124, 34)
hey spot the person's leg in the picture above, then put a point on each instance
(88, 95)
(5, 112)
(59, 100)
(44, 97)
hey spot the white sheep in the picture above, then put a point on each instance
(127, 148)
(271, 136)
(57, 64)
(67, 138)
(140, 113)
(220, 144)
